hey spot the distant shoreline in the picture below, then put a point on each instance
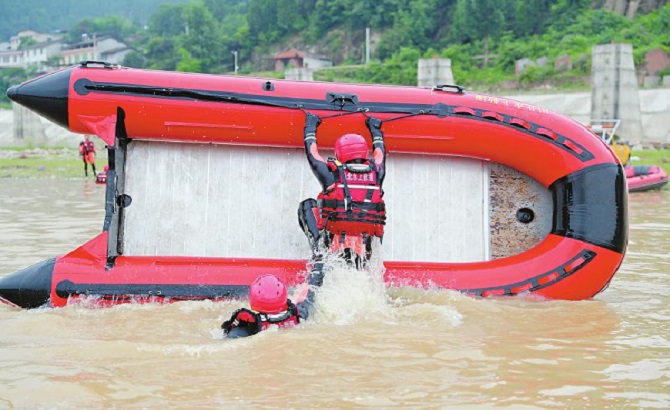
(47, 162)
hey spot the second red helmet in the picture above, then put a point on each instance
(351, 146)
(268, 294)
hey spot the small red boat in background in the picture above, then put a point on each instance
(645, 177)
(639, 177)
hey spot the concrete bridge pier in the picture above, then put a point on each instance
(435, 71)
(28, 128)
(614, 90)
(299, 74)
(21, 127)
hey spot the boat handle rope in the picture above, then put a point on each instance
(365, 111)
(360, 110)
(83, 86)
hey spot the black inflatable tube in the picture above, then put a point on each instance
(591, 205)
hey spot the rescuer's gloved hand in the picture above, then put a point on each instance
(243, 318)
(375, 127)
(312, 121)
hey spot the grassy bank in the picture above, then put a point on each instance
(65, 162)
(45, 163)
(659, 157)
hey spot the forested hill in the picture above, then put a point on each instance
(483, 38)
(50, 15)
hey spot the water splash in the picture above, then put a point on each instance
(349, 294)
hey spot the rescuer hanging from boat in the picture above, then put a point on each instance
(347, 215)
(349, 212)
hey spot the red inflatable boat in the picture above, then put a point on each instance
(645, 177)
(576, 260)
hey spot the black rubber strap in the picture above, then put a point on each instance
(345, 186)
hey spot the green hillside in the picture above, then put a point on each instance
(50, 15)
(483, 38)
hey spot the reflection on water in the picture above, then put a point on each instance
(406, 347)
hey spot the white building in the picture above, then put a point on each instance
(11, 59)
(36, 55)
(15, 41)
(41, 55)
(115, 55)
(48, 51)
(104, 49)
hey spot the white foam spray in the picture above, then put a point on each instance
(349, 294)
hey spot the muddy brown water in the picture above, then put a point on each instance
(365, 348)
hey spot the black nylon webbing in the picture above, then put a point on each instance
(347, 194)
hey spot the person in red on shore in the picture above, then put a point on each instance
(350, 210)
(269, 306)
(87, 153)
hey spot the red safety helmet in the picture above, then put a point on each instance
(351, 146)
(268, 295)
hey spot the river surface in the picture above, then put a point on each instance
(365, 348)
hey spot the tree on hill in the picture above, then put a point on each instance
(182, 34)
(47, 16)
(199, 35)
(113, 26)
(479, 19)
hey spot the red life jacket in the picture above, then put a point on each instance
(256, 322)
(86, 146)
(354, 204)
(283, 320)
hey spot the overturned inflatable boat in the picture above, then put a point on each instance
(229, 150)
